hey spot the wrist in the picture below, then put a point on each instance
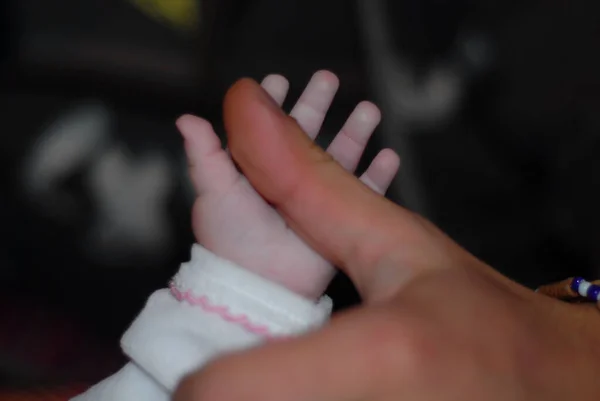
(213, 306)
(218, 278)
(307, 276)
(308, 286)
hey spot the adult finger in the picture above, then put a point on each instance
(379, 244)
(307, 368)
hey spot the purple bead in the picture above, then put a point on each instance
(576, 283)
(593, 292)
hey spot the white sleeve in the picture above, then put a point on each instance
(212, 306)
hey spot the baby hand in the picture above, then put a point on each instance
(233, 221)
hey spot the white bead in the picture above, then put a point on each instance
(584, 287)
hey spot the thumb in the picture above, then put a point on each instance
(379, 244)
(307, 367)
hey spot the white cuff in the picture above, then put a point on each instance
(213, 306)
(128, 384)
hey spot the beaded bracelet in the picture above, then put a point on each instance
(573, 289)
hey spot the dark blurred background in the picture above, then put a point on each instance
(493, 106)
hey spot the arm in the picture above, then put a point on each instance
(211, 307)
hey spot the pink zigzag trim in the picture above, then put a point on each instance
(223, 311)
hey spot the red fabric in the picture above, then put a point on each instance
(41, 341)
(63, 393)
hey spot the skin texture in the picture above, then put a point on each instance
(232, 220)
(437, 323)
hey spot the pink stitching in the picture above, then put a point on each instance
(223, 311)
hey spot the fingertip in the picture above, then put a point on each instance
(198, 134)
(277, 86)
(327, 78)
(384, 168)
(275, 79)
(381, 172)
(389, 160)
(245, 98)
(238, 91)
(183, 120)
(188, 122)
(242, 83)
(368, 112)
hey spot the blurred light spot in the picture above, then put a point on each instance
(180, 14)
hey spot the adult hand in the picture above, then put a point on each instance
(437, 323)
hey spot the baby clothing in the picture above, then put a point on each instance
(212, 306)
